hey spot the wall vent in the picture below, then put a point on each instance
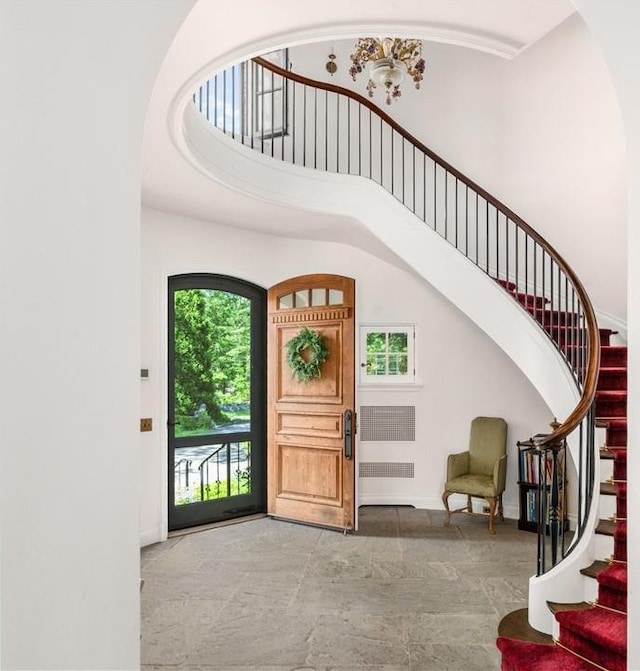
(383, 469)
(386, 423)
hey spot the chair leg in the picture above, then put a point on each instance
(445, 500)
(492, 512)
(469, 505)
(500, 509)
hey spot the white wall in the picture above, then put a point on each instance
(461, 372)
(525, 129)
(75, 79)
(563, 160)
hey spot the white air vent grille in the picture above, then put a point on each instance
(384, 469)
(387, 423)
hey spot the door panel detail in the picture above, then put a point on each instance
(328, 388)
(310, 473)
(325, 424)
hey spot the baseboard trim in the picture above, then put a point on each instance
(400, 500)
(428, 502)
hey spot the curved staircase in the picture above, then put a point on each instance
(591, 635)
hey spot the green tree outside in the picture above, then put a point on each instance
(212, 361)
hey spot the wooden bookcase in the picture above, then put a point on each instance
(529, 465)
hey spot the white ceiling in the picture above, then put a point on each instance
(220, 32)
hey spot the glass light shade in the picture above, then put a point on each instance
(388, 72)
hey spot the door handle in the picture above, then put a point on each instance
(348, 434)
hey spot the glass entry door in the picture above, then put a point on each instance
(217, 405)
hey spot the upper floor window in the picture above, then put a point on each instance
(269, 97)
(247, 99)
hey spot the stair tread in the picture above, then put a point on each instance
(558, 607)
(516, 625)
(594, 569)
(613, 451)
(607, 489)
(611, 422)
(606, 528)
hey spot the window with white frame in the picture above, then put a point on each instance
(269, 97)
(387, 354)
(247, 99)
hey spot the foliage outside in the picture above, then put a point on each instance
(218, 489)
(387, 353)
(212, 361)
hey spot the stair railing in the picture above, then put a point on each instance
(326, 127)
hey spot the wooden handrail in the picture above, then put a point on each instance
(593, 363)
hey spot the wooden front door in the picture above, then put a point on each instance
(310, 442)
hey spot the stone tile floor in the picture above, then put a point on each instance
(404, 593)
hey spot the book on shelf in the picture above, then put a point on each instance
(531, 507)
(531, 461)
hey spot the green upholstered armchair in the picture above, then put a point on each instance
(480, 471)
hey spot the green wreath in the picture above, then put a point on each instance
(306, 367)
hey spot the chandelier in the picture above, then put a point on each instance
(392, 59)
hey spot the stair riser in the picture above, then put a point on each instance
(607, 507)
(509, 286)
(614, 357)
(620, 469)
(566, 336)
(586, 648)
(602, 546)
(590, 593)
(606, 469)
(612, 381)
(529, 301)
(611, 408)
(553, 318)
(616, 437)
(613, 599)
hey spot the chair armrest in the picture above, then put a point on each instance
(500, 474)
(457, 465)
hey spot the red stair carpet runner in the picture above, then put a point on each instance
(592, 636)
